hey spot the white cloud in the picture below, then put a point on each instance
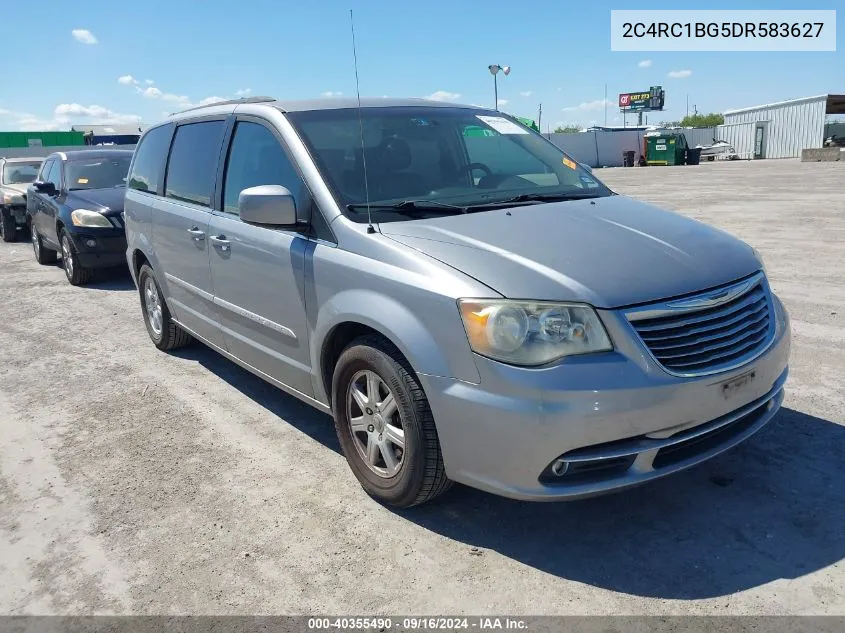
(527, 93)
(210, 100)
(64, 115)
(84, 35)
(503, 102)
(443, 95)
(587, 106)
(331, 93)
(645, 63)
(243, 92)
(149, 82)
(151, 92)
(679, 74)
(27, 122)
(127, 80)
(64, 112)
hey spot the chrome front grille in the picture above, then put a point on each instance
(708, 332)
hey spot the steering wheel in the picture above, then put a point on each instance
(472, 167)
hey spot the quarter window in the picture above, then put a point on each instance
(45, 170)
(55, 174)
(193, 162)
(150, 158)
(256, 158)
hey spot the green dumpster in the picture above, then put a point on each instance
(666, 149)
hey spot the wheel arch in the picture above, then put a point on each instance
(355, 313)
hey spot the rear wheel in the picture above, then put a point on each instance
(385, 426)
(163, 331)
(77, 274)
(8, 226)
(43, 255)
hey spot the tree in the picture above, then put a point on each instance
(703, 120)
(566, 129)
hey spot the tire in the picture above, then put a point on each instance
(8, 226)
(163, 331)
(76, 274)
(43, 255)
(419, 475)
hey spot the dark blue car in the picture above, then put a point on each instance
(75, 208)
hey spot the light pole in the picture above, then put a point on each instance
(494, 70)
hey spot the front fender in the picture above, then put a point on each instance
(410, 329)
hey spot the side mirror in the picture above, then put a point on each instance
(42, 186)
(267, 204)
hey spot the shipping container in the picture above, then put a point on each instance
(41, 139)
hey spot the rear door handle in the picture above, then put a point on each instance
(221, 241)
(196, 233)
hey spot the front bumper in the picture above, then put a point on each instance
(19, 213)
(616, 419)
(99, 248)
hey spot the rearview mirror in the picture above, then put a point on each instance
(42, 186)
(267, 204)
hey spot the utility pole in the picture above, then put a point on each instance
(605, 105)
(688, 105)
(540, 118)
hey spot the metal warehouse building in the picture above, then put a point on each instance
(780, 130)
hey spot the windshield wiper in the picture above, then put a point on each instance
(410, 206)
(548, 197)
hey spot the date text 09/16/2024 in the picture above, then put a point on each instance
(420, 623)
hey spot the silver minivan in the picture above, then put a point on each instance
(467, 301)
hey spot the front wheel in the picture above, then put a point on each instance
(385, 426)
(77, 274)
(8, 226)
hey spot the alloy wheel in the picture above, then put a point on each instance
(375, 423)
(67, 256)
(152, 303)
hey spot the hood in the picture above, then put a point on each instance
(108, 201)
(608, 252)
(17, 187)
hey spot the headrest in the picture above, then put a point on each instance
(393, 154)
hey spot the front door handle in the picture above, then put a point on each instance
(196, 233)
(221, 241)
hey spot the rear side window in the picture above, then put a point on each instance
(150, 158)
(193, 162)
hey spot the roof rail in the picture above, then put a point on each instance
(229, 102)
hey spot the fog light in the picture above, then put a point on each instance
(91, 243)
(560, 467)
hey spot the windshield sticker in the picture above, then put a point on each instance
(502, 125)
(82, 181)
(569, 163)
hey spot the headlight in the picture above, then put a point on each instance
(11, 198)
(92, 219)
(759, 259)
(531, 332)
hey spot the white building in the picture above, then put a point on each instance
(780, 130)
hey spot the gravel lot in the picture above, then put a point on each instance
(133, 481)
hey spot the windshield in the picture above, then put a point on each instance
(97, 173)
(436, 156)
(20, 173)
